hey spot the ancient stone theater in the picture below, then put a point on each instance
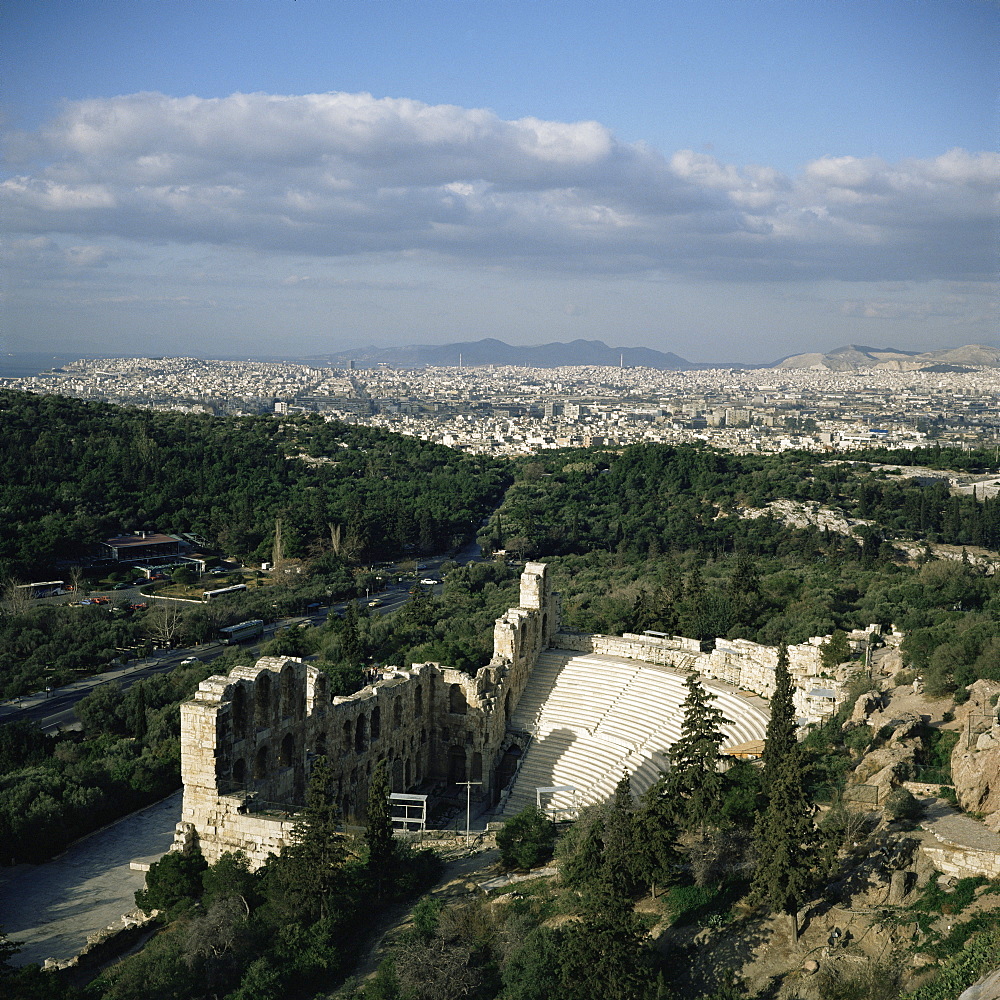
(247, 739)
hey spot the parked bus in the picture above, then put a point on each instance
(233, 634)
(50, 588)
(211, 595)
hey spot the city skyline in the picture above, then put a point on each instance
(709, 179)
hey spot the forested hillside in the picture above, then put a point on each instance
(652, 538)
(73, 472)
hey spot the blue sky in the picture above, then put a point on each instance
(726, 179)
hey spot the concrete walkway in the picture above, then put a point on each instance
(52, 907)
(950, 826)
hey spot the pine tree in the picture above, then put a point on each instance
(780, 736)
(785, 843)
(694, 780)
(305, 881)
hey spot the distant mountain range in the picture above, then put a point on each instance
(596, 352)
(854, 357)
(496, 352)
(578, 353)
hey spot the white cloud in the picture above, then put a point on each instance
(341, 174)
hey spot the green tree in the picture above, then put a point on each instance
(378, 831)
(836, 650)
(526, 840)
(173, 883)
(694, 781)
(306, 882)
(785, 843)
(779, 739)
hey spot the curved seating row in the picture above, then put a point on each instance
(595, 716)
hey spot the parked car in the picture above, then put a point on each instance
(429, 582)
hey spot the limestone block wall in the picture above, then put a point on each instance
(248, 740)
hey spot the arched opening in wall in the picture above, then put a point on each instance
(239, 712)
(397, 713)
(348, 737)
(376, 726)
(361, 735)
(457, 704)
(239, 771)
(319, 745)
(406, 775)
(286, 752)
(545, 624)
(506, 708)
(477, 767)
(262, 701)
(456, 765)
(397, 776)
(260, 762)
(344, 804)
(288, 693)
(418, 701)
(423, 735)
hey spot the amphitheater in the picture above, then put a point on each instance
(551, 709)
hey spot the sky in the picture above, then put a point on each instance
(730, 180)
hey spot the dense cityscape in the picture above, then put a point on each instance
(500, 410)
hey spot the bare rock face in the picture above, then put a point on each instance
(868, 703)
(890, 765)
(976, 774)
(975, 761)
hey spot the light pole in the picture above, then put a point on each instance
(468, 806)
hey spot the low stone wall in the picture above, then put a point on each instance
(962, 862)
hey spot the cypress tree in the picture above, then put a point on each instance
(785, 843)
(378, 831)
(780, 737)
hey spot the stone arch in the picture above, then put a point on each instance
(239, 771)
(261, 763)
(456, 764)
(348, 737)
(457, 704)
(262, 700)
(418, 701)
(398, 784)
(477, 767)
(286, 752)
(239, 710)
(397, 713)
(288, 692)
(361, 734)
(375, 729)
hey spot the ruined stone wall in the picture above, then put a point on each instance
(248, 739)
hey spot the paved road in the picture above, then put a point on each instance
(52, 907)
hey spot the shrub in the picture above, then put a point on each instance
(900, 804)
(526, 839)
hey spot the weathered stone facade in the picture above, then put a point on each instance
(247, 739)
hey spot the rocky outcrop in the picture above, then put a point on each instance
(890, 765)
(975, 761)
